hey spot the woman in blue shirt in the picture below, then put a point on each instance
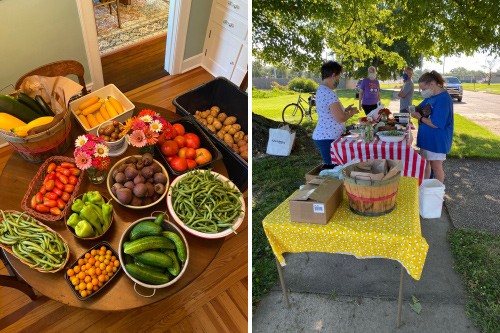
(435, 133)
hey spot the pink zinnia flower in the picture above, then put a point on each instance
(89, 147)
(137, 139)
(83, 161)
(138, 125)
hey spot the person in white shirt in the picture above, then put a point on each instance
(331, 113)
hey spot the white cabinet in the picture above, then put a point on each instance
(225, 49)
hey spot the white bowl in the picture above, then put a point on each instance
(167, 226)
(391, 138)
(352, 137)
(115, 147)
(227, 232)
(110, 181)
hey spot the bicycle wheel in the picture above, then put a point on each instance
(312, 115)
(293, 114)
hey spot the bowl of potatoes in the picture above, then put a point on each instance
(110, 131)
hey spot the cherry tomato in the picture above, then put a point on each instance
(60, 203)
(72, 180)
(67, 165)
(43, 190)
(49, 185)
(75, 171)
(55, 211)
(52, 166)
(52, 195)
(66, 172)
(63, 179)
(39, 197)
(65, 196)
(49, 203)
(59, 185)
(58, 191)
(33, 202)
(41, 208)
(69, 188)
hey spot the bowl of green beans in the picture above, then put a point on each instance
(206, 204)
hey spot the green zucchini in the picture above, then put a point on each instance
(13, 107)
(145, 228)
(179, 244)
(30, 102)
(145, 275)
(129, 259)
(154, 258)
(152, 268)
(148, 243)
(176, 268)
(44, 106)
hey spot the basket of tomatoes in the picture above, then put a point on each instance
(53, 188)
(186, 147)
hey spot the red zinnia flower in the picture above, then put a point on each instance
(168, 131)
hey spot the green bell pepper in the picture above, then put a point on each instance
(85, 198)
(92, 216)
(77, 205)
(84, 229)
(73, 220)
(96, 198)
(107, 213)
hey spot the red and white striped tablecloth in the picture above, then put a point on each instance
(343, 151)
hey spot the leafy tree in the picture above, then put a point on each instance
(489, 67)
(460, 71)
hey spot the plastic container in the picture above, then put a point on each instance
(191, 127)
(109, 90)
(231, 100)
(430, 198)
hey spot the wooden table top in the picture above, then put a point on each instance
(119, 294)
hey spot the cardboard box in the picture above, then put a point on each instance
(311, 174)
(316, 201)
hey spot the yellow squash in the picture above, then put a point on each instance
(7, 122)
(23, 130)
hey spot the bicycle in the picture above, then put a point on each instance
(294, 113)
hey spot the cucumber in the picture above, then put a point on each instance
(151, 268)
(154, 258)
(145, 228)
(159, 219)
(13, 107)
(176, 268)
(129, 259)
(44, 106)
(145, 275)
(30, 102)
(148, 243)
(179, 244)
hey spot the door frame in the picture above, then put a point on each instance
(176, 38)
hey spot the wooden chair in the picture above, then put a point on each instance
(58, 68)
(13, 281)
(111, 9)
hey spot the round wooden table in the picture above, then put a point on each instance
(119, 294)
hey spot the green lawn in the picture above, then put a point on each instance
(492, 88)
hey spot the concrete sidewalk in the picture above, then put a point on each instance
(367, 293)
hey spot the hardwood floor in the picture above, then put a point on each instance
(216, 302)
(135, 66)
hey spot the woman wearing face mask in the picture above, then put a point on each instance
(435, 133)
(331, 113)
(369, 92)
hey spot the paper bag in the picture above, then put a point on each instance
(281, 141)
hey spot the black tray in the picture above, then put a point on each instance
(66, 277)
(191, 127)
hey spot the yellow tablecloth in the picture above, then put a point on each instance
(394, 236)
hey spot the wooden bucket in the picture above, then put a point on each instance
(37, 148)
(370, 197)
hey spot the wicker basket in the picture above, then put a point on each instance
(8, 248)
(370, 197)
(37, 148)
(37, 183)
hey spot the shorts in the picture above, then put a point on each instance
(431, 156)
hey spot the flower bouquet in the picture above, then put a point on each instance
(91, 154)
(384, 114)
(367, 124)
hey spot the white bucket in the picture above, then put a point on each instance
(430, 197)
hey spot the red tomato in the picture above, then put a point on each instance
(75, 171)
(178, 164)
(63, 179)
(182, 152)
(180, 140)
(43, 190)
(67, 165)
(192, 140)
(69, 188)
(58, 191)
(191, 163)
(161, 140)
(49, 185)
(39, 197)
(60, 203)
(169, 158)
(179, 128)
(52, 176)
(51, 167)
(59, 185)
(52, 195)
(203, 156)
(65, 196)
(55, 211)
(169, 148)
(72, 180)
(41, 208)
(65, 172)
(49, 203)
(33, 202)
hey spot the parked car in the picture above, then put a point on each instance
(356, 89)
(454, 87)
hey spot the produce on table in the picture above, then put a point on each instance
(22, 131)
(32, 242)
(92, 215)
(392, 133)
(205, 203)
(12, 106)
(93, 270)
(138, 182)
(226, 129)
(152, 255)
(96, 110)
(8, 121)
(112, 132)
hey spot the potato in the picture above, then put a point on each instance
(197, 113)
(197, 116)
(214, 111)
(228, 139)
(204, 121)
(220, 134)
(238, 136)
(229, 120)
(234, 129)
(205, 114)
(236, 148)
(241, 143)
(217, 124)
(244, 148)
(226, 128)
(210, 120)
(212, 128)
(222, 117)
(244, 155)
